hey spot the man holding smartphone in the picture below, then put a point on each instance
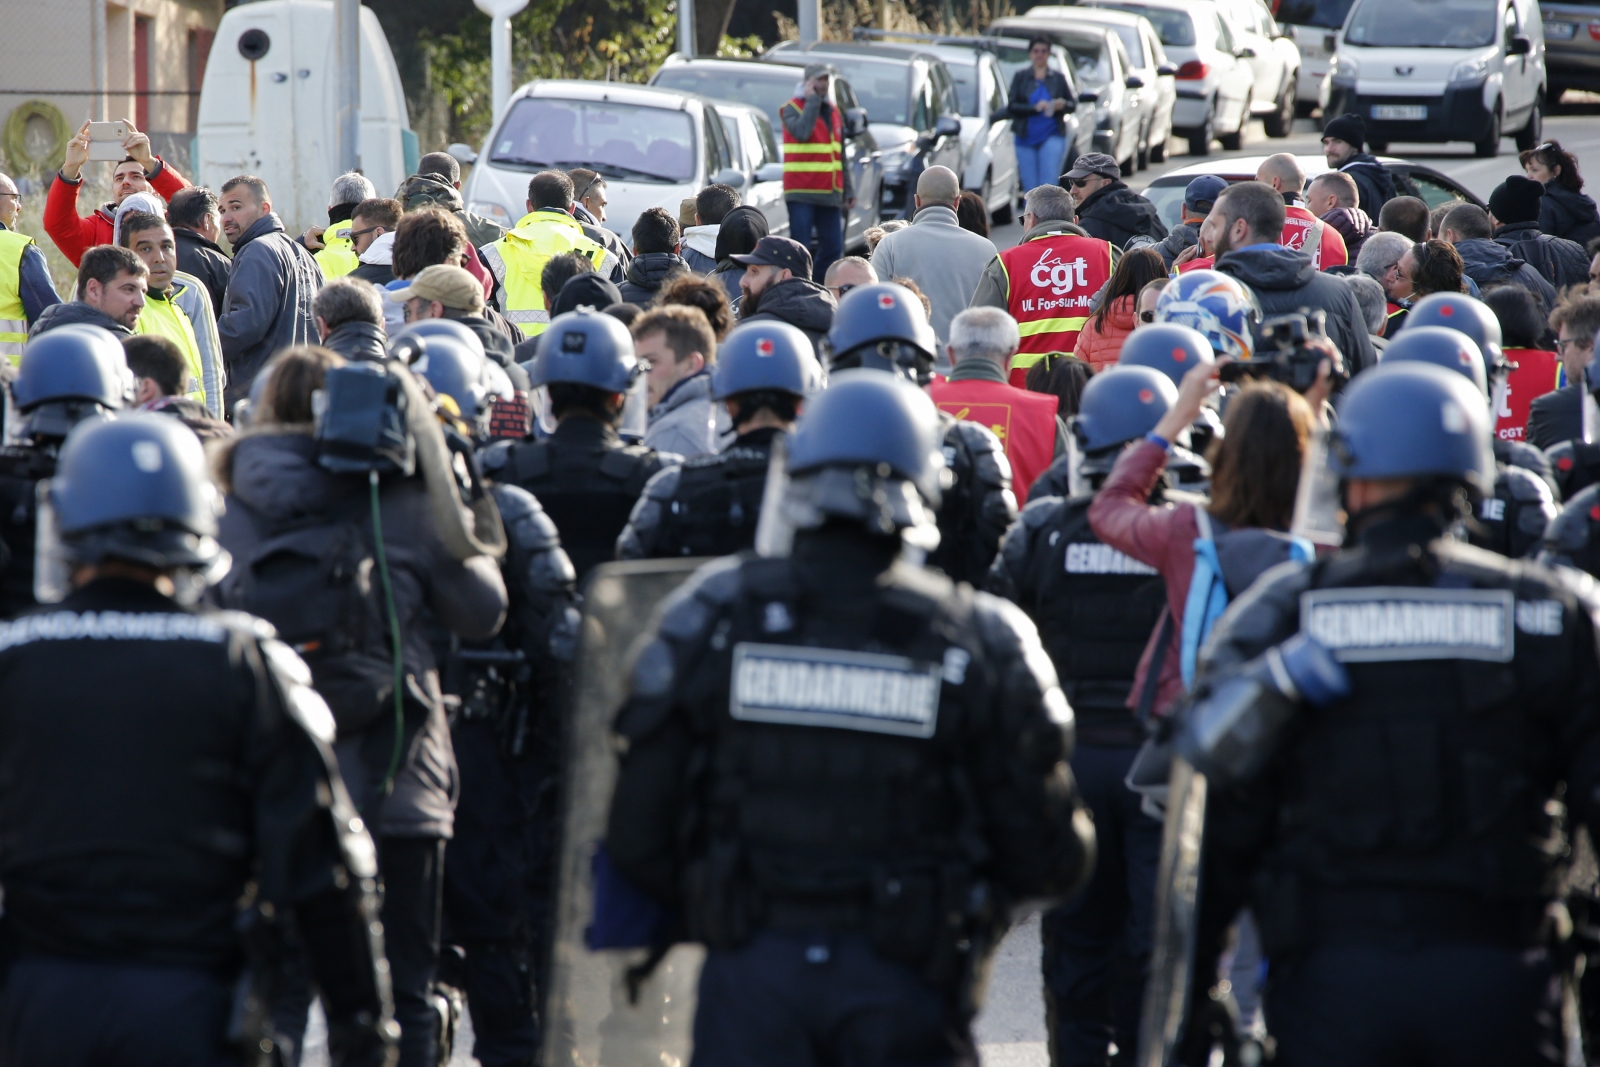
(140, 171)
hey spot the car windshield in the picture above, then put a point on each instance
(1174, 28)
(1422, 24)
(880, 86)
(768, 88)
(966, 79)
(1130, 41)
(1327, 14)
(624, 142)
(1168, 199)
(1091, 61)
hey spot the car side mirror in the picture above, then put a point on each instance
(1088, 96)
(947, 126)
(770, 172)
(1133, 81)
(1520, 46)
(1168, 70)
(462, 153)
(729, 176)
(1245, 52)
(855, 121)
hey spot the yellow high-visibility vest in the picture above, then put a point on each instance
(518, 260)
(336, 257)
(163, 318)
(13, 319)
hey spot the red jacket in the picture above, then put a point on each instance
(75, 235)
(1159, 536)
(1100, 348)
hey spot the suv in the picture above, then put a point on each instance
(911, 107)
(1313, 25)
(1572, 42)
(654, 148)
(769, 86)
(1215, 80)
(756, 153)
(1442, 70)
(1274, 57)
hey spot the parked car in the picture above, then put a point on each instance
(654, 147)
(1275, 60)
(768, 86)
(1313, 25)
(1166, 192)
(756, 154)
(1155, 94)
(1101, 66)
(1215, 81)
(1011, 52)
(1442, 70)
(1572, 46)
(911, 107)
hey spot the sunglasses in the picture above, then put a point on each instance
(840, 290)
(353, 234)
(1147, 316)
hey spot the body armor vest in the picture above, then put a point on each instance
(20, 472)
(715, 509)
(978, 506)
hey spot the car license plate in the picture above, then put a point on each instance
(1396, 112)
(1560, 31)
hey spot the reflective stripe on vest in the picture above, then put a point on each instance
(1025, 422)
(13, 319)
(817, 165)
(1050, 286)
(518, 260)
(337, 257)
(163, 318)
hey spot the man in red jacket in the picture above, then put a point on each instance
(982, 342)
(140, 172)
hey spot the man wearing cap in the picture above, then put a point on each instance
(1198, 196)
(1514, 212)
(1343, 145)
(445, 292)
(816, 182)
(1302, 231)
(777, 285)
(1107, 208)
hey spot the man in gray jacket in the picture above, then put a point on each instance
(274, 281)
(678, 346)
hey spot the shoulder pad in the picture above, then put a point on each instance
(623, 462)
(1524, 485)
(1521, 454)
(690, 609)
(1041, 512)
(978, 438)
(1008, 632)
(494, 458)
(1260, 615)
(1570, 531)
(1471, 562)
(527, 524)
(921, 582)
(302, 703)
(663, 484)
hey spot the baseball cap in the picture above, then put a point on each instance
(451, 286)
(781, 252)
(820, 70)
(1096, 163)
(1201, 193)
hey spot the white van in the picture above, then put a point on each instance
(1442, 70)
(269, 107)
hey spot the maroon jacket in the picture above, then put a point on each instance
(1158, 535)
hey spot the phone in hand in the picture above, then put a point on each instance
(105, 140)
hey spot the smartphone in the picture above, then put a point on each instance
(105, 140)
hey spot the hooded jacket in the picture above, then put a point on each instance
(1373, 182)
(805, 305)
(686, 420)
(1116, 213)
(1183, 235)
(421, 190)
(75, 235)
(700, 248)
(272, 480)
(1352, 224)
(1560, 261)
(1284, 281)
(740, 230)
(1100, 347)
(268, 307)
(1564, 213)
(647, 274)
(1488, 263)
(73, 313)
(358, 342)
(205, 260)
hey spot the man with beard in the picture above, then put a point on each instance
(777, 285)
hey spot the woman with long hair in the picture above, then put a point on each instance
(1564, 210)
(1039, 98)
(1101, 338)
(1433, 267)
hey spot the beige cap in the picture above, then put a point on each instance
(451, 286)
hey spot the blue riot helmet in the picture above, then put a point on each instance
(1442, 347)
(882, 327)
(586, 347)
(1118, 405)
(765, 356)
(866, 450)
(426, 328)
(1169, 347)
(1465, 314)
(68, 374)
(1215, 304)
(135, 489)
(458, 372)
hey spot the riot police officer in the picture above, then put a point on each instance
(497, 866)
(1393, 740)
(1511, 520)
(67, 375)
(710, 504)
(884, 327)
(845, 768)
(586, 478)
(1095, 609)
(162, 764)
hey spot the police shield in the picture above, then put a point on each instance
(592, 1018)
(1167, 995)
(1318, 509)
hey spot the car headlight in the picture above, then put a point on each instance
(1344, 68)
(1470, 70)
(489, 209)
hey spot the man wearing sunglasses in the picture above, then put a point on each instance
(847, 274)
(25, 287)
(1107, 208)
(1557, 417)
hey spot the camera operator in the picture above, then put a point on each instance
(1243, 230)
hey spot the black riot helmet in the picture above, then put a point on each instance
(882, 327)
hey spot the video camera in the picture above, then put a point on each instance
(1284, 355)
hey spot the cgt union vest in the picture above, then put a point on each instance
(1025, 422)
(1051, 282)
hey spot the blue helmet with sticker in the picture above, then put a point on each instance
(1218, 306)
(1414, 420)
(428, 328)
(1464, 314)
(1121, 405)
(1169, 347)
(586, 347)
(1450, 349)
(765, 355)
(456, 371)
(882, 327)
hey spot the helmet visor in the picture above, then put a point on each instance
(1318, 509)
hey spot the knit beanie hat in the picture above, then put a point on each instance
(1347, 128)
(1516, 200)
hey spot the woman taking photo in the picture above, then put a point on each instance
(1039, 98)
(1564, 210)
